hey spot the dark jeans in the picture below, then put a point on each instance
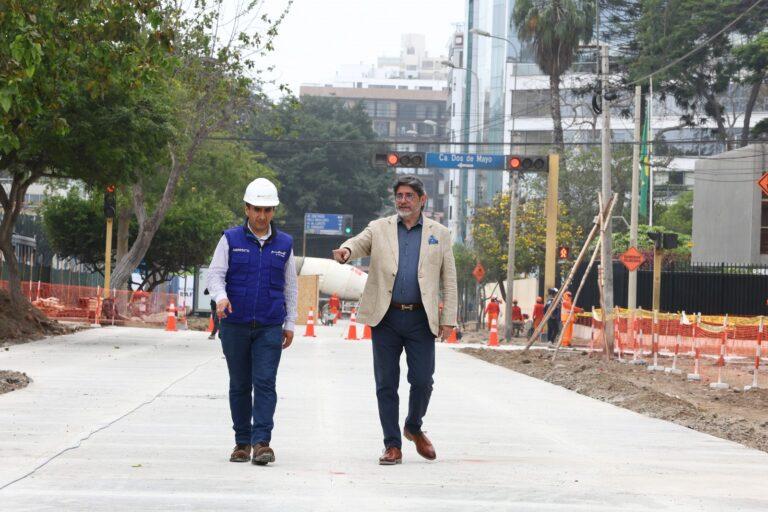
(553, 329)
(253, 355)
(400, 330)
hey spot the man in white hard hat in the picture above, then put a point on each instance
(252, 277)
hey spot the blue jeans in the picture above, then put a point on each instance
(253, 355)
(400, 330)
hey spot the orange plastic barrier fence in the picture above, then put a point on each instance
(87, 304)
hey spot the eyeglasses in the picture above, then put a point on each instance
(407, 196)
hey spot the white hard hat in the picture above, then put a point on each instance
(261, 192)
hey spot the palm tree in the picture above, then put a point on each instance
(554, 28)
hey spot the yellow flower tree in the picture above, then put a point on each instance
(490, 229)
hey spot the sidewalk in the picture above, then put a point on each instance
(504, 441)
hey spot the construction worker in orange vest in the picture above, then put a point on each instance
(334, 304)
(492, 310)
(568, 324)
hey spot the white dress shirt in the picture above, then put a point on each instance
(217, 273)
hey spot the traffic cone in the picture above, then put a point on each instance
(309, 332)
(367, 335)
(493, 340)
(210, 323)
(352, 331)
(170, 324)
(452, 338)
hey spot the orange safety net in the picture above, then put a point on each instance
(86, 303)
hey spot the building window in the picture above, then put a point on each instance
(676, 178)
(386, 109)
(381, 128)
(411, 50)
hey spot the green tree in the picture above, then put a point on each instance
(665, 30)
(678, 216)
(61, 61)
(74, 226)
(322, 176)
(215, 82)
(555, 29)
(490, 232)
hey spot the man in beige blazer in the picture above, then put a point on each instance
(411, 265)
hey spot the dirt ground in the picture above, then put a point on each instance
(730, 414)
(28, 325)
(11, 381)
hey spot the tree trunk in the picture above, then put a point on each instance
(717, 115)
(557, 120)
(12, 203)
(148, 226)
(123, 231)
(754, 93)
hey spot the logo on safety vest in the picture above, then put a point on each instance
(240, 249)
(282, 254)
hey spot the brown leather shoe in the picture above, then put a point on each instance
(262, 454)
(391, 456)
(241, 453)
(423, 445)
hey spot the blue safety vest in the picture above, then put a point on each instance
(255, 280)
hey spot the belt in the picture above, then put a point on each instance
(406, 307)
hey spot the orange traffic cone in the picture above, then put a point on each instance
(170, 324)
(493, 340)
(352, 331)
(452, 338)
(367, 335)
(309, 332)
(210, 323)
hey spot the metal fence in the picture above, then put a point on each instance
(700, 288)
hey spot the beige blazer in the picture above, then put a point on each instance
(437, 271)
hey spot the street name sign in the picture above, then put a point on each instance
(323, 224)
(632, 259)
(466, 161)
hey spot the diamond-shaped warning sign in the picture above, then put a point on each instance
(632, 259)
(479, 272)
(763, 183)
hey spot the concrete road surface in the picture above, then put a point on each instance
(123, 419)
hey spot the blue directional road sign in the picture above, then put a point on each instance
(323, 224)
(466, 161)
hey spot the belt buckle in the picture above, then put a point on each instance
(407, 307)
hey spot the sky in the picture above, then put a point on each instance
(320, 36)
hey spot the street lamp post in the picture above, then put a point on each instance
(514, 193)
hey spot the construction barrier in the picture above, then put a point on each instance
(86, 304)
(666, 341)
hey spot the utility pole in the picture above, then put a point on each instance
(633, 216)
(514, 183)
(606, 250)
(551, 211)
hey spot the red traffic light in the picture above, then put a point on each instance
(527, 163)
(392, 159)
(110, 188)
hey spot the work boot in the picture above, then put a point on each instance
(212, 337)
(391, 456)
(241, 453)
(262, 454)
(423, 445)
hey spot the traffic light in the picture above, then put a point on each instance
(346, 224)
(663, 240)
(110, 205)
(413, 159)
(563, 252)
(527, 163)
